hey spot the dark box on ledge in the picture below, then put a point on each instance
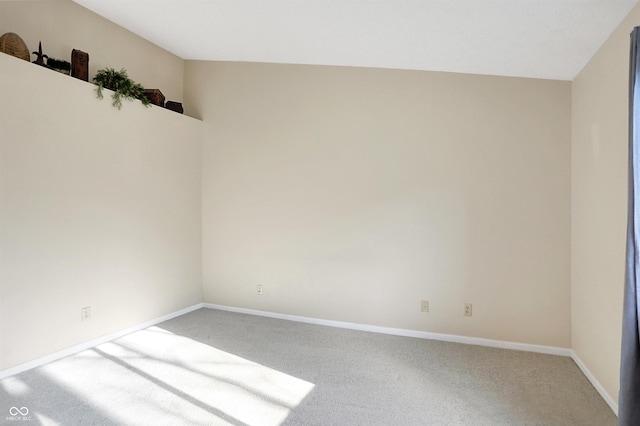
(155, 96)
(174, 106)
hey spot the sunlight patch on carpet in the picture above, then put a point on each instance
(177, 379)
(15, 387)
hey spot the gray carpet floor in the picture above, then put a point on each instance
(212, 367)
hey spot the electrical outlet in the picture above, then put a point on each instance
(260, 289)
(468, 309)
(424, 306)
(85, 313)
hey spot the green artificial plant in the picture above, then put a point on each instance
(123, 87)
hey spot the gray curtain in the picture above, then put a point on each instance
(629, 397)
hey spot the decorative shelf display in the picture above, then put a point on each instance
(118, 81)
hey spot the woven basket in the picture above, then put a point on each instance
(12, 44)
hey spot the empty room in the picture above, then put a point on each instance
(317, 212)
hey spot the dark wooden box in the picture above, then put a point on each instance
(80, 64)
(155, 96)
(174, 106)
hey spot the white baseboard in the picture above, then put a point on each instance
(91, 343)
(551, 350)
(596, 384)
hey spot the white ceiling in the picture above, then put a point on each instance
(550, 39)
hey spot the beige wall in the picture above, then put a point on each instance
(351, 194)
(599, 202)
(98, 207)
(62, 25)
